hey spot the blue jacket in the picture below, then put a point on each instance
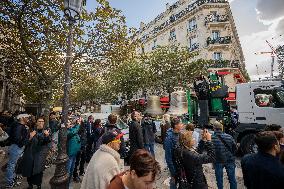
(169, 144)
(262, 171)
(223, 154)
(73, 140)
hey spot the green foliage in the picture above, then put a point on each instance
(33, 42)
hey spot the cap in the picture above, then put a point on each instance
(217, 125)
(22, 116)
(111, 136)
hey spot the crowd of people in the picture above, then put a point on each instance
(96, 149)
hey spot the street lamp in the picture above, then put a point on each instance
(72, 10)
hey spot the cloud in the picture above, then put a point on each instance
(280, 27)
(270, 9)
(246, 17)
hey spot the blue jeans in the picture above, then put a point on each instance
(150, 148)
(230, 169)
(71, 165)
(173, 184)
(14, 154)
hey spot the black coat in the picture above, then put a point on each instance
(35, 153)
(135, 137)
(262, 171)
(149, 130)
(193, 160)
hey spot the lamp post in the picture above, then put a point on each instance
(72, 10)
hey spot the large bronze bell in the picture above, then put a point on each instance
(154, 106)
(178, 104)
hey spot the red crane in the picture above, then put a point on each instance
(272, 54)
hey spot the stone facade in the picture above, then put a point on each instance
(205, 26)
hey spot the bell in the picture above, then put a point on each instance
(154, 106)
(178, 104)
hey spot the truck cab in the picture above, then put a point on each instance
(259, 104)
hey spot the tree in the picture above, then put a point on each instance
(34, 39)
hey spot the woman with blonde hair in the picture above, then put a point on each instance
(192, 159)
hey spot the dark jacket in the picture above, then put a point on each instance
(18, 134)
(35, 154)
(193, 160)
(135, 137)
(89, 127)
(262, 171)
(164, 128)
(54, 125)
(83, 136)
(223, 154)
(149, 130)
(169, 144)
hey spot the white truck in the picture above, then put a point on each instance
(259, 104)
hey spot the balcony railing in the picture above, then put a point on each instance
(216, 18)
(193, 47)
(172, 38)
(219, 40)
(192, 28)
(236, 64)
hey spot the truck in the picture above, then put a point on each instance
(259, 104)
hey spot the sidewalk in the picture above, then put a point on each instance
(161, 183)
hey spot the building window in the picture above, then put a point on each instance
(192, 43)
(192, 24)
(172, 35)
(215, 34)
(154, 44)
(217, 56)
(269, 98)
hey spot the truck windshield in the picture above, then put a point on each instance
(280, 96)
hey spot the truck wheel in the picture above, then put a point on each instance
(248, 145)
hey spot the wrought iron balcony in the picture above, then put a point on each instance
(219, 40)
(236, 64)
(219, 64)
(192, 28)
(193, 47)
(216, 19)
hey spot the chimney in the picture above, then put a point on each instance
(167, 6)
(142, 25)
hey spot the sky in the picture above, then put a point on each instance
(256, 22)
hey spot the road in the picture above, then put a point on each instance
(161, 183)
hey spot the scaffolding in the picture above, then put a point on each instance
(280, 57)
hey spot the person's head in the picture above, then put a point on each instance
(23, 118)
(135, 116)
(143, 169)
(190, 127)
(280, 136)
(91, 118)
(52, 115)
(40, 123)
(112, 139)
(177, 124)
(186, 139)
(98, 123)
(167, 118)
(267, 142)
(217, 126)
(112, 119)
